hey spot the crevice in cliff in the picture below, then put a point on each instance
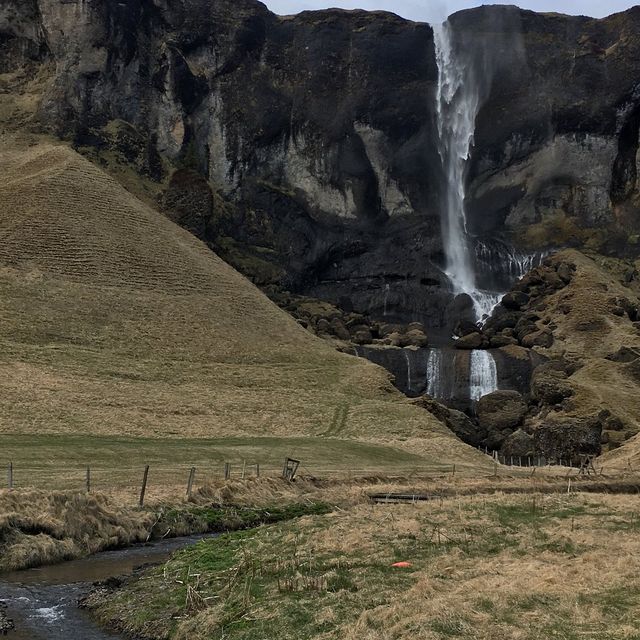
(624, 178)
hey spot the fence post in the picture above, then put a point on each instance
(10, 476)
(144, 485)
(88, 479)
(192, 475)
(244, 469)
(257, 470)
(227, 470)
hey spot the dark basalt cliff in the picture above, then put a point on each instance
(304, 149)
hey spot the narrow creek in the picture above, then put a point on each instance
(43, 602)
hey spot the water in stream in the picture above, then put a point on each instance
(43, 602)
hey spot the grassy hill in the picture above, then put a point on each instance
(115, 322)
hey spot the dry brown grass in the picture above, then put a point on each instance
(117, 322)
(44, 527)
(483, 567)
(588, 333)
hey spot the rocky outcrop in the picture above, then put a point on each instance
(317, 134)
(501, 410)
(565, 438)
(549, 383)
(499, 415)
(455, 420)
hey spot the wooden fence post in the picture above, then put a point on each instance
(227, 470)
(244, 469)
(144, 485)
(257, 470)
(192, 475)
(88, 478)
(10, 476)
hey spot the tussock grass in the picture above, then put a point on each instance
(586, 332)
(483, 567)
(39, 527)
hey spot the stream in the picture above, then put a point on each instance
(43, 602)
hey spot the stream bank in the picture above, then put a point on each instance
(43, 602)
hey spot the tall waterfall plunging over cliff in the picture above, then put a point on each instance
(458, 101)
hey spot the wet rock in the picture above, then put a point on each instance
(502, 341)
(502, 319)
(515, 300)
(461, 307)
(501, 410)
(465, 328)
(470, 341)
(515, 367)
(456, 421)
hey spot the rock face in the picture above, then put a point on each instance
(318, 133)
(501, 410)
(568, 437)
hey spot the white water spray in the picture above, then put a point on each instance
(458, 101)
(483, 374)
(408, 360)
(434, 373)
(456, 107)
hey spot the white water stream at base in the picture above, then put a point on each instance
(483, 374)
(434, 374)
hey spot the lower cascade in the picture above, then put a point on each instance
(434, 374)
(483, 374)
(458, 378)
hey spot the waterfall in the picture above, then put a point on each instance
(434, 373)
(408, 359)
(483, 374)
(457, 105)
(503, 262)
(458, 100)
(387, 288)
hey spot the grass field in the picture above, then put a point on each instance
(117, 463)
(482, 567)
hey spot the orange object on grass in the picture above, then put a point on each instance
(402, 565)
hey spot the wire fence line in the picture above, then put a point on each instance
(142, 481)
(154, 477)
